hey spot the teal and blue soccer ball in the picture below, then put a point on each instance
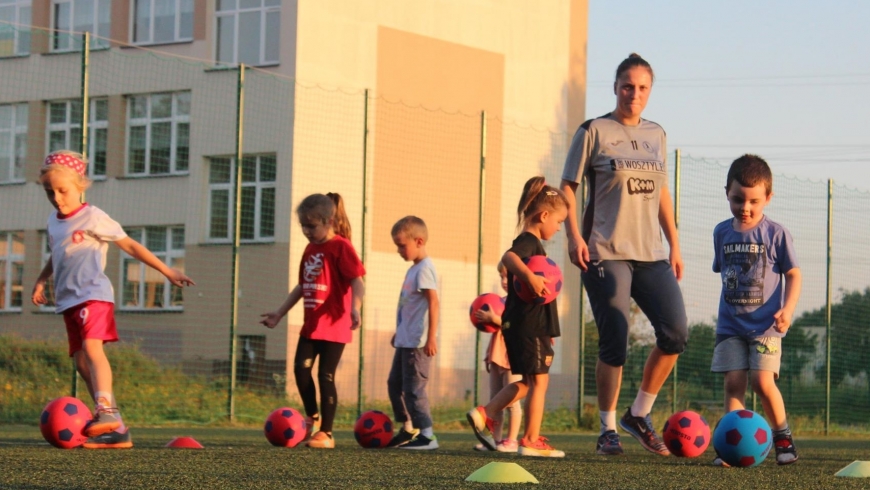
(742, 438)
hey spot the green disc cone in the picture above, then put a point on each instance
(502, 473)
(858, 469)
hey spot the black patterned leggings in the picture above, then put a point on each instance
(330, 354)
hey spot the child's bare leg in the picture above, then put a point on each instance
(516, 414)
(100, 369)
(735, 390)
(84, 371)
(106, 417)
(507, 395)
(764, 384)
(496, 384)
(535, 405)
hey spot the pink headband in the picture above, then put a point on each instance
(66, 160)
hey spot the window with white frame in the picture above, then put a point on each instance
(15, 39)
(13, 141)
(49, 284)
(248, 31)
(70, 18)
(162, 21)
(158, 133)
(143, 288)
(11, 270)
(65, 131)
(258, 198)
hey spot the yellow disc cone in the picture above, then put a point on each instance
(502, 473)
(858, 469)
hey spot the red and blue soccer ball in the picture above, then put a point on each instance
(373, 429)
(742, 438)
(486, 302)
(62, 422)
(686, 434)
(543, 266)
(285, 427)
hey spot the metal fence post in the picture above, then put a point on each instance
(828, 305)
(240, 118)
(83, 144)
(677, 177)
(365, 183)
(480, 209)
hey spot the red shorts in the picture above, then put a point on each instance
(90, 320)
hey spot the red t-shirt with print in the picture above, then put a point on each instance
(325, 274)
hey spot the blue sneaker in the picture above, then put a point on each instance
(608, 444)
(641, 428)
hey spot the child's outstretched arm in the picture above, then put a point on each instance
(784, 316)
(272, 318)
(538, 284)
(431, 347)
(38, 294)
(139, 252)
(358, 290)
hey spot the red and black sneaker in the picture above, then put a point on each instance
(116, 439)
(786, 453)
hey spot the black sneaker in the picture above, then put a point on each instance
(403, 437)
(608, 444)
(641, 428)
(786, 453)
(117, 439)
(421, 443)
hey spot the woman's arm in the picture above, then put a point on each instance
(669, 227)
(578, 250)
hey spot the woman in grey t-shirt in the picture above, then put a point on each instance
(620, 252)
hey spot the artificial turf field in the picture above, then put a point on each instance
(242, 458)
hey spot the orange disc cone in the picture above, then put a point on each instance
(184, 443)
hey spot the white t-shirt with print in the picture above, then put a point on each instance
(79, 243)
(412, 317)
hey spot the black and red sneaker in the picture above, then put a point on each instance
(117, 439)
(786, 453)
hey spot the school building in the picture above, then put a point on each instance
(383, 101)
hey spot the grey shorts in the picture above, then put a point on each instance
(739, 354)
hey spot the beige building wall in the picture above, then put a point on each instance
(430, 68)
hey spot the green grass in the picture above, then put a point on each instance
(241, 458)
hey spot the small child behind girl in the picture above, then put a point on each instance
(499, 369)
(332, 289)
(78, 235)
(528, 328)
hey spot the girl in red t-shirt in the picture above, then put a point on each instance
(332, 289)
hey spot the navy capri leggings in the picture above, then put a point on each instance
(611, 283)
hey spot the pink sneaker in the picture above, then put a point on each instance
(539, 448)
(507, 446)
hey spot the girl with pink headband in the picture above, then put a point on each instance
(78, 236)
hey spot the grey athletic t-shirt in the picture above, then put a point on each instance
(626, 170)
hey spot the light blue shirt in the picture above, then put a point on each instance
(751, 264)
(412, 316)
